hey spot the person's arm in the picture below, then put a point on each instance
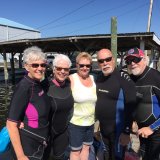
(15, 139)
(129, 101)
(19, 102)
(147, 131)
(71, 80)
(156, 104)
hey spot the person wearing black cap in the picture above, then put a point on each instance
(147, 114)
(115, 103)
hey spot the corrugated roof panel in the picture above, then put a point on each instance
(7, 22)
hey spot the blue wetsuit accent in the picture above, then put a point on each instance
(119, 123)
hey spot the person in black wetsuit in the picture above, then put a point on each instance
(114, 107)
(147, 114)
(62, 105)
(30, 105)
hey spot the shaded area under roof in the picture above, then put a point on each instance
(7, 22)
(88, 43)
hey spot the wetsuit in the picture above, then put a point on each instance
(62, 106)
(114, 107)
(31, 105)
(148, 109)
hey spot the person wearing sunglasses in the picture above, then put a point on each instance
(147, 114)
(62, 106)
(81, 126)
(114, 106)
(30, 105)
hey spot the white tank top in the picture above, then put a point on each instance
(84, 102)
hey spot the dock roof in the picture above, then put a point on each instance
(88, 43)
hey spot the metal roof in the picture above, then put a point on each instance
(88, 43)
(9, 23)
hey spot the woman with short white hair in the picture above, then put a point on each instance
(30, 105)
(62, 105)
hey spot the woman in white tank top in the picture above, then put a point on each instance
(81, 126)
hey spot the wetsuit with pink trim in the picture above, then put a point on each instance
(31, 105)
(62, 106)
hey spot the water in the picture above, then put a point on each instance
(5, 97)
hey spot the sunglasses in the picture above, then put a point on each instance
(36, 65)
(84, 65)
(60, 69)
(135, 60)
(108, 59)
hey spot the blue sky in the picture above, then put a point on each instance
(80, 17)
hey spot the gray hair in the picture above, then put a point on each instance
(59, 58)
(33, 54)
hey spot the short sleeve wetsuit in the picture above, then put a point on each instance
(31, 105)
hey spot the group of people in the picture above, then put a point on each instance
(47, 116)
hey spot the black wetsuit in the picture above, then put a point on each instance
(148, 109)
(31, 105)
(114, 107)
(62, 105)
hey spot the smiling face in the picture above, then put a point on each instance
(83, 67)
(136, 68)
(36, 69)
(61, 70)
(106, 61)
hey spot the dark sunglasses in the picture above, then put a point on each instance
(60, 69)
(108, 59)
(36, 65)
(84, 65)
(135, 60)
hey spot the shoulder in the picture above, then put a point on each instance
(24, 85)
(92, 77)
(99, 77)
(71, 80)
(22, 89)
(68, 82)
(155, 76)
(122, 75)
(72, 77)
(154, 72)
(45, 84)
(125, 75)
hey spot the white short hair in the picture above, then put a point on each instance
(33, 54)
(61, 57)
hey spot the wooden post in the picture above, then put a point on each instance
(12, 68)
(20, 60)
(114, 37)
(5, 69)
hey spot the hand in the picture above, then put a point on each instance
(124, 139)
(145, 132)
(21, 125)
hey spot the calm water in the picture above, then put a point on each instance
(5, 96)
